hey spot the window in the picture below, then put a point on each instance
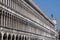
(6, 2)
(9, 21)
(9, 3)
(3, 19)
(1, 1)
(12, 20)
(6, 20)
(12, 3)
(0, 19)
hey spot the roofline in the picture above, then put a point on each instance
(31, 3)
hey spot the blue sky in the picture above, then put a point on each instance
(50, 7)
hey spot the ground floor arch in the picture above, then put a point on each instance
(9, 37)
(17, 38)
(0, 36)
(5, 36)
(13, 37)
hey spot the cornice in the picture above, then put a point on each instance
(36, 8)
(41, 13)
(32, 4)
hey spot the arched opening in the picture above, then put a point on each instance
(20, 37)
(25, 38)
(9, 37)
(17, 37)
(13, 37)
(36, 39)
(31, 38)
(0, 36)
(5, 36)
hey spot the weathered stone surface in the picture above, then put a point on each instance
(21, 19)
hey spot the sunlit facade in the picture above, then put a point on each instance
(23, 20)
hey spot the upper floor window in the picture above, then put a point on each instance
(1, 1)
(0, 19)
(6, 2)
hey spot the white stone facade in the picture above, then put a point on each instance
(23, 20)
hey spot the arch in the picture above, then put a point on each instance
(31, 38)
(20, 37)
(25, 37)
(17, 37)
(0, 36)
(13, 37)
(36, 39)
(5, 36)
(9, 37)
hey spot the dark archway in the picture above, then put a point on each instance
(13, 37)
(17, 37)
(36, 39)
(31, 38)
(5, 36)
(20, 37)
(25, 38)
(9, 37)
(0, 36)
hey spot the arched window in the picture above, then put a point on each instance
(17, 37)
(13, 37)
(9, 37)
(0, 36)
(5, 36)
